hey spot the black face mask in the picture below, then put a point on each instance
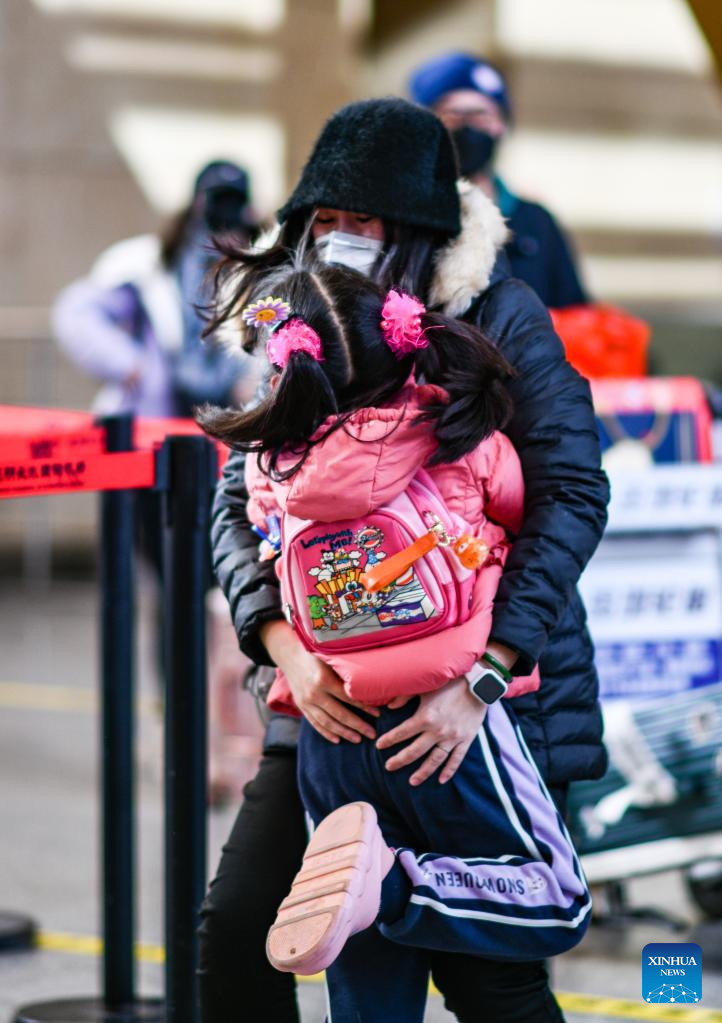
(475, 149)
(223, 209)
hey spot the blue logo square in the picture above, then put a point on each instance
(672, 972)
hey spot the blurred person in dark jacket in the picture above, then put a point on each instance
(471, 97)
(135, 323)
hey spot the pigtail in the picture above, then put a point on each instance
(474, 374)
(284, 421)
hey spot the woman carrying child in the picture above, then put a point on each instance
(347, 441)
(393, 165)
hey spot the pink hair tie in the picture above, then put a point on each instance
(294, 336)
(401, 323)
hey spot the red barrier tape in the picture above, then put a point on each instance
(124, 470)
(51, 434)
(53, 447)
(23, 419)
(150, 433)
(48, 451)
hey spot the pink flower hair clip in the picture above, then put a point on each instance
(401, 323)
(266, 312)
(294, 336)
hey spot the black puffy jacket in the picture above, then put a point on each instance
(538, 611)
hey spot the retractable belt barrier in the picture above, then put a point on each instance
(51, 451)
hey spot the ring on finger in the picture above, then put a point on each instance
(446, 751)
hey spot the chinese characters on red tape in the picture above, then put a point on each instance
(54, 451)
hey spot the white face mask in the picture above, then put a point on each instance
(352, 250)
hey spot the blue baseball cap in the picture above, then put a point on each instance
(452, 71)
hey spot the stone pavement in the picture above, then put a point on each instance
(50, 826)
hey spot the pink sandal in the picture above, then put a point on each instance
(336, 893)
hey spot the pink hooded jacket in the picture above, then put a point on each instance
(367, 463)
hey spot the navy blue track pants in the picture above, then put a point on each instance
(489, 866)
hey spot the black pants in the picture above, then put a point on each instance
(259, 861)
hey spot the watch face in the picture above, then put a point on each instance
(489, 687)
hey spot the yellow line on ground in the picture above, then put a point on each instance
(36, 696)
(583, 1005)
(88, 945)
(622, 1008)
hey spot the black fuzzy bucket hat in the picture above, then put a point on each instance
(386, 158)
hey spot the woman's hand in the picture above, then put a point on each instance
(317, 690)
(444, 726)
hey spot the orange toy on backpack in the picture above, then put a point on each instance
(471, 552)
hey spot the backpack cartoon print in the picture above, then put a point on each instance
(369, 540)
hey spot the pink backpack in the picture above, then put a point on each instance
(322, 563)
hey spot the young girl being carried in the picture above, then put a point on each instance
(392, 503)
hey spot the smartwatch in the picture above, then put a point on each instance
(485, 683)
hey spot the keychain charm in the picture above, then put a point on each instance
(470, 550)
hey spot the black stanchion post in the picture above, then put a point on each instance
(17, 932)
(117, 651)
(117, 667)
(191, 465)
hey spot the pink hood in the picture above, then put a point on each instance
(351, 472)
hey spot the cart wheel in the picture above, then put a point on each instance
(704, 883)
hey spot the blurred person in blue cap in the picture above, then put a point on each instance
(471, 97)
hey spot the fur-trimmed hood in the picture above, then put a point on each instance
(463, 268)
